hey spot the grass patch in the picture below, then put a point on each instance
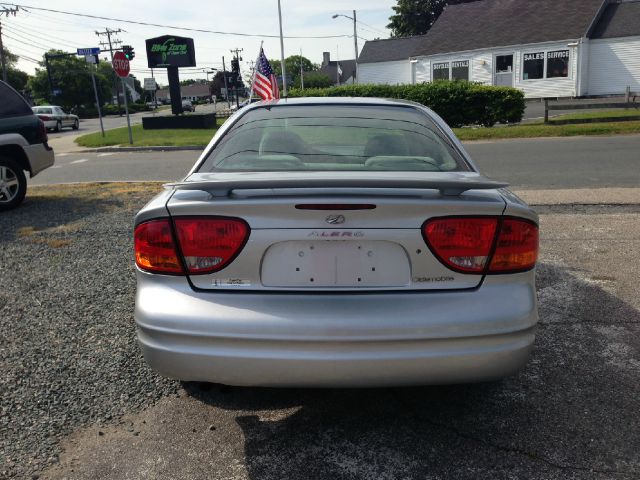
(149, 138)
(199, 137)
(534, 130)
(24, 232)
(615, 113)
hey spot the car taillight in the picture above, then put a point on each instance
(465, 244)
(42, 132)
(517, 246)
(155, 249)
(44, 118)
(208, 244)
(462, 244)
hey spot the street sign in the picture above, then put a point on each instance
(89, 51)
(120, 64)
(150, 84)
(91, 59)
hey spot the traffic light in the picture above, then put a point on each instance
(128, 52)
(235, 65)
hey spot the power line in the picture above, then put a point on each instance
(169, 26)
(6, 12)
(373, 28)
(26, 45)
(26, 40)
(28, 31)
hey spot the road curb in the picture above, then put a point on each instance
(143, 149)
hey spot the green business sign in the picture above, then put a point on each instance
(170, 51)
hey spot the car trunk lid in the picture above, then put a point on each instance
(328, 232)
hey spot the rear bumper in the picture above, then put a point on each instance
(40, 156)
(335, 340)
(328, 364)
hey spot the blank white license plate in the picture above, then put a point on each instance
(336, 263)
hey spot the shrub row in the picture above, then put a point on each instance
(92, 112)
(458, 103)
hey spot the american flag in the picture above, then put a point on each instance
(265, 82)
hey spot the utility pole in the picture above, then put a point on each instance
(108, 32)
(238, 76)
(226, 87)
(355, 42)
(282, 67)
(4, 65)
(6, 11)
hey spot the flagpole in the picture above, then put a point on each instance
(338, 64)
(253, 74)
(282, 68)
(301, 72)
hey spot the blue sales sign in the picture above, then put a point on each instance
(89, 51)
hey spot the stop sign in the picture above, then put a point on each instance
(120, 64)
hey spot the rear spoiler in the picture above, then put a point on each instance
(447, 186)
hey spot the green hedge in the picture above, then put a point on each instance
(91, 112)
(458, 103)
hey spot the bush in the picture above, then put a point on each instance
(91, 111)
(458, 103)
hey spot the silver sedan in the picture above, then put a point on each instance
(341, 242)
(55, 118)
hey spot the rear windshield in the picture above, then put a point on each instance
(42, 110)
(333, 138)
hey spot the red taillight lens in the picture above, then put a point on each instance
(210, 244)
(517, 247)
(155, 249)
(463, 244)
(44, 118)
(42, 132)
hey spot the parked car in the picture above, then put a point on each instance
(188, 106)
(23, 147)
(336, 242)
(55, 118)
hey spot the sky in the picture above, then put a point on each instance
(32, 32)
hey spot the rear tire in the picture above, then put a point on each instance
(13, 184)
(58, 126)
(76, 124)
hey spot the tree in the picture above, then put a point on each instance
(72, 76)
(314, 80)
(16, 78)
(292, 66)
(416, 17)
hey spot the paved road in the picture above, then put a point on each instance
(114, 121)
(558, 163)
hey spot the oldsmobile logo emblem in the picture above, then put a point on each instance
(335, 219)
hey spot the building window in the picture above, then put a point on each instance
(441, 71)
(558, 64)
(460, 70)
(533, 66)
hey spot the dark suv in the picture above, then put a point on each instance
(23, 147)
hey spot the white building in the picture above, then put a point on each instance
(547, 48)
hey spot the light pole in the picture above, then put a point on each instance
(355, 36)
(212, 70)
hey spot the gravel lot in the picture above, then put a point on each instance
(68, 353)
(78, 401)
